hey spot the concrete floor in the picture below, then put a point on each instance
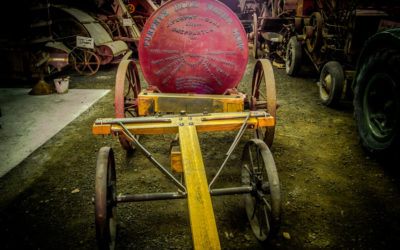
(28, 121)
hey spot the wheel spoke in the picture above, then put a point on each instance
(83, 66)
(90, 68)
(266, 219)
(260, 78)
(129, 78)
(247, 169)
(262, 94)
(88, 57)
(254, 210)
(258, 172)
(251, 158)
(259, 219)
(267, 204)
(132, 114)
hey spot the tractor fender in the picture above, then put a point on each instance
(389, 38)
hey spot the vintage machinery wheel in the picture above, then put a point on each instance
(316, 23)
(331, 83)
(85, 62)
(377, 101)
(263, 96)
(127, 89)
(105, 199)
(293, 56)
(263, 205)
(256, 36)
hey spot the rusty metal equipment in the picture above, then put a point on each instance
(104, 50)
(192, 78)
(85, 39)
(377, 94)
(126, 19)
(272, 22)
(328, 33)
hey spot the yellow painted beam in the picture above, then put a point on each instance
(202, 221)
(203, 123)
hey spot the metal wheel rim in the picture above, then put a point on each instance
(326, 86)
(263, 96)
(263, 204)
(88, 64)
(127, 89)
(381, 118)
(289, 56)
(105, 199)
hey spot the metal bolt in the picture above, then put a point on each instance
(181, 124)
(190, 123)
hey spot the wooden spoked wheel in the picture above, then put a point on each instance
(85, 62)
(105, 199)
(255, 36)
(263, 204)
(127, 89)
(263, 96)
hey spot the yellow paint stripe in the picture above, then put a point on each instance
(202, 221)
(56, 59)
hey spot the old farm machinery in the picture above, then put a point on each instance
(193, 54)
(329, 33)
(340, 39)
(84, 37)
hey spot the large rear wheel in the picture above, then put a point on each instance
(263, 204)
(127, 89)
(377, 101)
(263, 96)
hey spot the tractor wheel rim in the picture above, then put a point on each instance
(326, 86)
(381, 105)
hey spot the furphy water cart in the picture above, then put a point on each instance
(193, 55)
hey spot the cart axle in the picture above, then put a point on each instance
(179, 195)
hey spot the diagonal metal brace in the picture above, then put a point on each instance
(152, 159)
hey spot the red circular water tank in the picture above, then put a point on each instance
(193, 47)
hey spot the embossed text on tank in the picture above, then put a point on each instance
(193, 47)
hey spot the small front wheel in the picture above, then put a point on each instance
(263, 204)
(127, 89)
(331, 83)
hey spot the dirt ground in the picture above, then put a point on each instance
(333, 194)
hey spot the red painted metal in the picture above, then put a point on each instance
(193, 47)
(127, 88)
(263, 96)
